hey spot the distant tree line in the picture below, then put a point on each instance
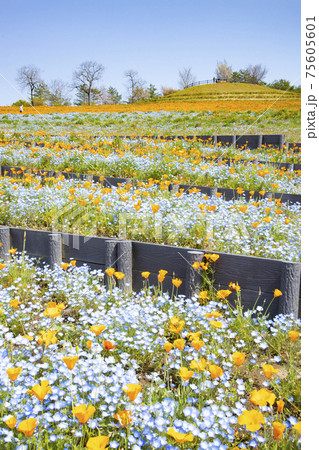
(86, 76)
(253, 74)
(85, 87)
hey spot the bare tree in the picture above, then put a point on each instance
(223, 70)
(135, 86)
(58, 92)
(28, 77)
(85, 77)
(185, 77)
(255, 74)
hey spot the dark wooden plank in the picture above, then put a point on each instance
(154, 257)
(90, 249)
(249, 140)
(36, 241)
(273, 139)
(250, 272)
(226, 140)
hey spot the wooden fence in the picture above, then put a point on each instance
(258, 277)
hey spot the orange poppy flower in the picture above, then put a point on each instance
(70, 361)
(47, 337)
(168, 346)
(201, 365)
(155, 208)
(162, 272)
(269, 370)
(278, 430)
(176, 282)
(98, 443)
(216, 324)
(124, 417)
(108, 345)
(11, 422)
(179, 343)
(197, 344)
(145, 274)
(212, 256)
(252, 419)
(185, 374)
(297, 427)
(180, 437)
(13, 372)
(110, 272)
(28, 426)
(194, 336)
(89, 344)
(293, 335)
(238, 358)
(255, 224)
(214, 314)
(97, 329)
(176, 325)
(83, 413)
(119, 275)
(280, 405)
(40, 391)
(223, 293)
(277, 293)
(234, 286)
(215, 371)
(262, 397)
(54, 310)
(14, 303)
(132, 390)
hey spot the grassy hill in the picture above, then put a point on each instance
(228, 91)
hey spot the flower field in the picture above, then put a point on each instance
(191, 119)
(180, 162)
(149, 212)
(87, 365)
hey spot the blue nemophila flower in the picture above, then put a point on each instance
(137, 324)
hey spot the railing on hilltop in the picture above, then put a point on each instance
(214, 80)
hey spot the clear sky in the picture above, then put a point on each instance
(156, 38)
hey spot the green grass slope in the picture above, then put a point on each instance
(229, 91)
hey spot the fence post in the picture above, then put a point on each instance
(55, 249)
(110, 259)
(193, 276)
(260, 141)
(233, 141)
(290, 288)
(281, 141)
(124, 264)
(5, 241)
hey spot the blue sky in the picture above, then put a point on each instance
(155, 38)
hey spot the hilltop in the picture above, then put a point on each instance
(228, 91)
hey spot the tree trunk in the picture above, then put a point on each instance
(32, 102)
